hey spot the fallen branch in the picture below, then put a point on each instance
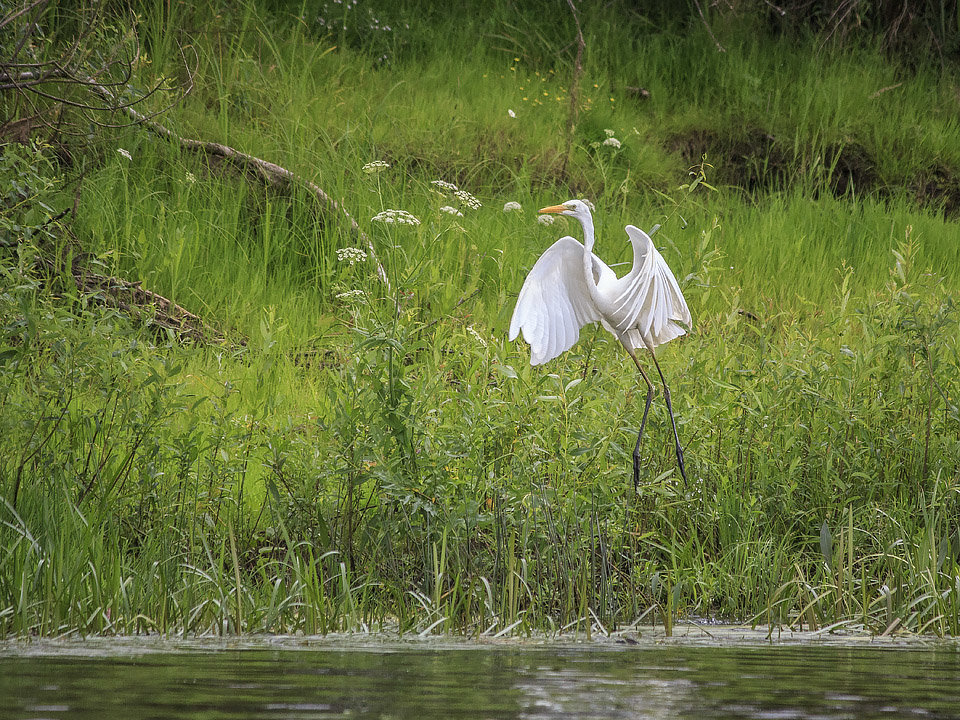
(134, 300)
(139, 304)
(269, 172)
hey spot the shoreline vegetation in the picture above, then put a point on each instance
(224, 409)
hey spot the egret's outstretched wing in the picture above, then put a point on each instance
(555, 302)
(648, 299)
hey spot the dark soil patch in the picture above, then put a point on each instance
(939, 186)
(756, 162)
(753, 160)
(854, 169)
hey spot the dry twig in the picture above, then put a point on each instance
(703, 18)
(132, 299)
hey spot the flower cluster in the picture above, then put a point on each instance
(351, 255)
(545, 219)
(374, 167)
(611, 141)
(125, 153)
(400, 217)
(350, 294)
(451, 211)
(467, 199)
(463, 196)
(512, 206)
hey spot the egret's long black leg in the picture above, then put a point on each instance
(636, 448)
(643, 422)
(666, 396)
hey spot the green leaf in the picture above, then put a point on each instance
(572, 384)
(506, 370)
(826, 545)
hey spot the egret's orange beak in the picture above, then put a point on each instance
(554, 209)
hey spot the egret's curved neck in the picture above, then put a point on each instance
(588, 240)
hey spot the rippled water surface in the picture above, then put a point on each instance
(729, 676)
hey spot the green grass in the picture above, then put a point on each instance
(358, 457)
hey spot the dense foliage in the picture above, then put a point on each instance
(342, 452)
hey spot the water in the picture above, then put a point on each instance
(731, 675)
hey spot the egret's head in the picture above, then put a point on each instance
(573, 208)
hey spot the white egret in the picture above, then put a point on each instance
(570, 287)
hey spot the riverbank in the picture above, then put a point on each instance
(336, 452)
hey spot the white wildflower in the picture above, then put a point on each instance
(609, 132)
(444, 185)
(125, 153)
(189, 178)
(467, 199)
(351, 255)
(612, 142)
(511, 113)
(451, 211)
(472, 331)
(374, 167)
(400, 217)
(588, 204)
(545, 219)
(350, 295)
(512, 206)
(463, 196)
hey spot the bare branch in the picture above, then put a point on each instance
(703, 17)
(26, 35)
(22, 11)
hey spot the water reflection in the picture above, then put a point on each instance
(337, 677)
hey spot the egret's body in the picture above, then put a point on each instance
(570, 287)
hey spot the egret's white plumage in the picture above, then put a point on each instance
(554, 302)
(644, 308)
(570, 287)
